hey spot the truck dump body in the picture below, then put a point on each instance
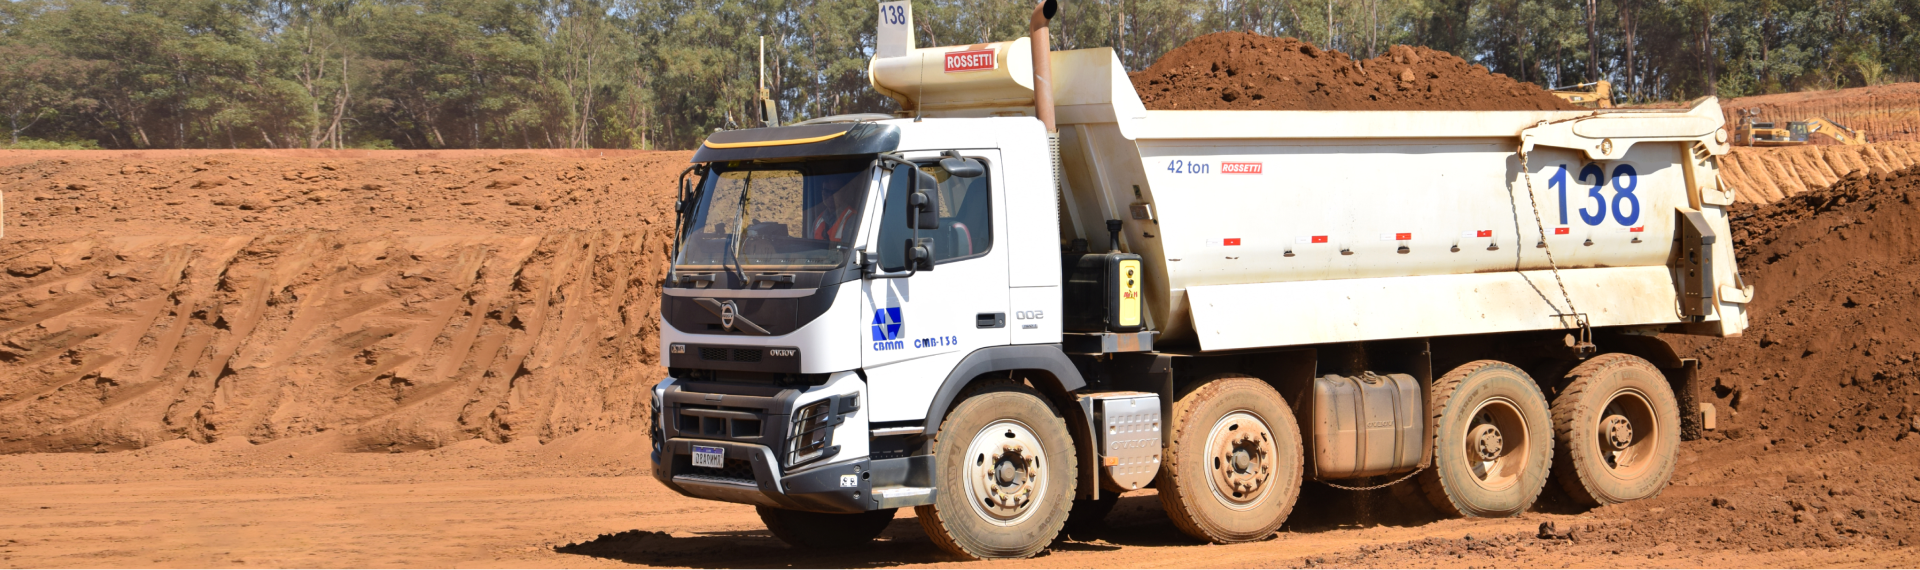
(1277, 228)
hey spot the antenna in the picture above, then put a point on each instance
(769, 111)
(919, 100)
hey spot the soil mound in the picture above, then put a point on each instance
(247, 193)
(1885, 112)
(393, 304)
(1242, 71)
(1761, 175)
(1816, 402)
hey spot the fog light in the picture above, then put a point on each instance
(811, 432)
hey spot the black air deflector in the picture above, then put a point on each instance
(800, 141)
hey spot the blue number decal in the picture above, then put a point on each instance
(1631, 178)
(1176, 167)
(893, 14)
(1599, 181)
(1559, 182)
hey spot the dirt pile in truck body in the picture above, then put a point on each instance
(1242, 71)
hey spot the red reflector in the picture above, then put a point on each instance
(1562, 231)
(975, 60)
(1403, 236)
(1483, 233)
(1230, 241)
(1319, 239)
(1637, 229)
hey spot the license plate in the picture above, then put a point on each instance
(715, 457)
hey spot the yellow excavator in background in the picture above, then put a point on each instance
(1600, 96)
(1795, 133)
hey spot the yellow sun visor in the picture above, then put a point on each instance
(799, 141)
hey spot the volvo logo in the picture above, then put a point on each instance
(730, 316)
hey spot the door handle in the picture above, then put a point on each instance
(990, 320)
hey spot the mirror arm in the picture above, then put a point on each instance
(866, 270)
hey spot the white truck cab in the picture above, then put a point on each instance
(1004, 306)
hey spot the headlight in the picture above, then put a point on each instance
(813, 428)
(654, 428)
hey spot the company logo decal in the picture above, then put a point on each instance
(1241, 168)
(887, 325)
(972, 60)
(728, 311)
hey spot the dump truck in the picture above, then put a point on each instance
(1024, 294)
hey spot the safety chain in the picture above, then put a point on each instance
(1586, 342)
(1382, 485)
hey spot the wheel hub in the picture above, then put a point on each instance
(1010, 482)
(1005, 473)
(1619, 431)
(1487, 442)
(1242, 456)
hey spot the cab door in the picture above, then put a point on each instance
(918, 328)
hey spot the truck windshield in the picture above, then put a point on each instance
(785, 215)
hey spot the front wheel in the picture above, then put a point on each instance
(1007, 475)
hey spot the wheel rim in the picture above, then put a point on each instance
(1626, 434)
(1240, 457)
(1497, 444)
(1006, 473)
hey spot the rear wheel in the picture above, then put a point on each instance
(1618, 428)
(1006, 477)
(1233, 466)
(1492, 442)
(809, 530)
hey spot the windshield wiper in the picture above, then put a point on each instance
(740, 230)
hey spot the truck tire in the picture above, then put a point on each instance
(1619, 429)
(821, 531)
(1007, 474)
(1233, 467)
(1492, 441)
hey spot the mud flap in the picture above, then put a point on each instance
(1686, 394)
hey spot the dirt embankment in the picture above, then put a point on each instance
(1819, 396)
(1237, 70)
(1886, 112)
(390, 303)
(1764, 175)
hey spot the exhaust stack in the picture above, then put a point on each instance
(1042, 62)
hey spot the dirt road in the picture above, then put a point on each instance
(588, 501)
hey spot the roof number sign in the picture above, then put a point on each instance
(970, 60)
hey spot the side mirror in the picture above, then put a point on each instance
(923, 204)
(962, 166)
(918, 254)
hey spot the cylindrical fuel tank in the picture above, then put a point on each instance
(1366, 425)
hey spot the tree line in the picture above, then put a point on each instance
(664, 73)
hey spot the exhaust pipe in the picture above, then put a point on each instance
(1042, 63)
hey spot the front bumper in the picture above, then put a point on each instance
(847, 486)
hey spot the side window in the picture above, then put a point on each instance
(966, 220)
